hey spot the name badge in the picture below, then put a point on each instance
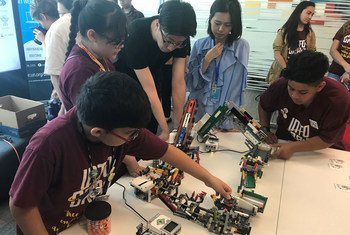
(215, 93)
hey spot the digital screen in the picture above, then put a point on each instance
(170, 227)
(8, 39)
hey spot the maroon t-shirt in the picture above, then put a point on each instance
(76, 70)
(325, 117)
(343, 49)
(54, 171)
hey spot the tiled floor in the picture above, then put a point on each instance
(7, 224)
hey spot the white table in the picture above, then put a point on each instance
(310, 204)
(301, 195)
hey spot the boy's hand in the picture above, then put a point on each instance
(214, 52)
(271, 138)
(219, 186)
(283, 151)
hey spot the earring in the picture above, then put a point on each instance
(230, 32)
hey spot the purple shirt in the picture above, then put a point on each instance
(54, 171)
(325, 117)
(77, 69)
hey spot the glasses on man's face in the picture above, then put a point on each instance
(132, 137)
(168, 42)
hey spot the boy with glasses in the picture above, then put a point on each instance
(73, 159)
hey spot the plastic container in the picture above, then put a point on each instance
(98, 218)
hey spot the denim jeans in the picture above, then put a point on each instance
(337, 77)
(333, 76)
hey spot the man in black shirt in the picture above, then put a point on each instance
(153, 41)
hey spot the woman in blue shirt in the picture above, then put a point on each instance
(217, 69)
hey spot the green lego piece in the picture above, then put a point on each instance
(219, 112)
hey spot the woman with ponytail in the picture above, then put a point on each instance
(295, 36)
(101, 25)
(102, 28)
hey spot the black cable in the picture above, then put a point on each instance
(202, 140)
(206, 137)
(225, 150)
(128, 204)
(212, 135)
(230, 150)
(257, 98)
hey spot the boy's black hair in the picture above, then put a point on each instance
(112, 100)
(291, 25)
(233, 7)
(105, 17)
(306, 67)
(178, 18)
(47, 7)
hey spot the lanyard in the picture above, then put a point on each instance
(93, 58)
(217, 66)
(93, 174)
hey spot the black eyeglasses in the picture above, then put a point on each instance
(132, 137)
(114, 42)
(168, 42)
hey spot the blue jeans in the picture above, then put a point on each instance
(337, 77)
(333, 76)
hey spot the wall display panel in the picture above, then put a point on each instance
(39, 84)
(8, 38)
(261, 20)
(13, 79)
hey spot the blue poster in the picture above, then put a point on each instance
(8, 38)
(39, 84)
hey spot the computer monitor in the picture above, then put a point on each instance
(10, 57)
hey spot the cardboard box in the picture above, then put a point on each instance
(19, 113)
(28, 130)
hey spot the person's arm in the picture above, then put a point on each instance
(280, 60)
(286, 150)
(278, 46)
(264, 119)
(55, 80)
(28, 219)
(40, 36)
(178, 90)
(345, 78)
(311, 46)
(147, 83)
(179, 159)
(337, 57)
